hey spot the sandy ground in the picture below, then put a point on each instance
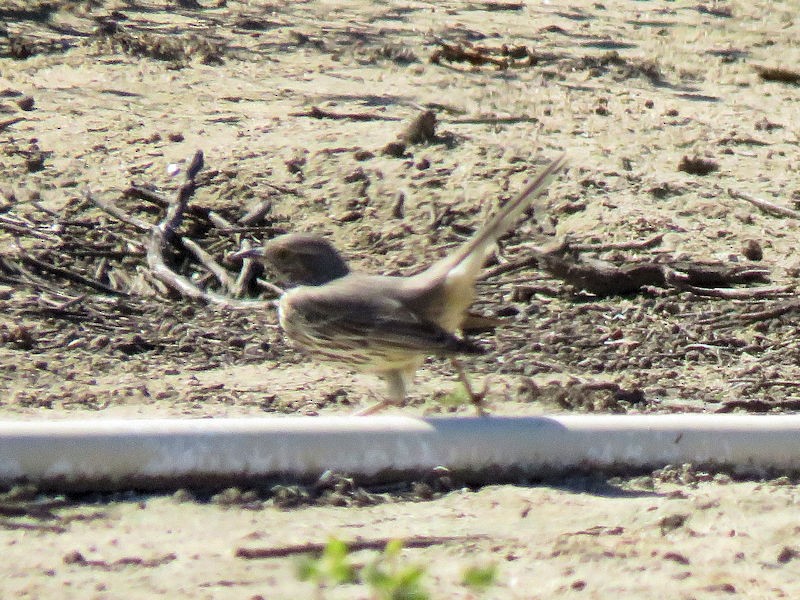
(699, 540)
(104, 94)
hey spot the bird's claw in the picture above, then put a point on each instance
(381, 403)
(477, 398)
(372, 409)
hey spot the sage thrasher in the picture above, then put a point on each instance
(386, 324)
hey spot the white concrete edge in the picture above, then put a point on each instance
(119, 454)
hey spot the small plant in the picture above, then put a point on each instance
(458, 397)
(332, 567)
(386, 576)
(390, 580)
(479, 578)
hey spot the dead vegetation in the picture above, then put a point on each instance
(93, 270)
(142, 270)
(779, 74)
(111, 37)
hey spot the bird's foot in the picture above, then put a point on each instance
(372, 409)
(477, 398)
(381, 403)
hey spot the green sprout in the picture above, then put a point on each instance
(458, 397)
(390, 580)
(387, 577)
(479, 578)
(333, 567)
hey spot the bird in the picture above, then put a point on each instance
(381, 324)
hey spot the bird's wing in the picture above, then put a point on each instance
(366, 318)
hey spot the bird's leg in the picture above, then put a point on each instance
(476, 398)
(372, 408)
(397, 394)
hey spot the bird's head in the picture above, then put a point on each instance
(300, 259)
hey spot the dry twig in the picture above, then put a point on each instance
(18, 226)
(209, 263)
(605, 279)
(319, 113)
(780, 74)
(117, 212)
(772, 312)
(9, 122)
(69, 275)
(633, 245)
(245, 274)
(764, 205)
(11, 524)
(764, 291)
(163, 233)
(759, 406)
(354, 546)
(492, 120)
(256, 213)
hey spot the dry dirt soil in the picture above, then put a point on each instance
(673, 114)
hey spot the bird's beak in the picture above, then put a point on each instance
(250, 253)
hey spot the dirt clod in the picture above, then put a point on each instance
(697, 165)
(26, 103)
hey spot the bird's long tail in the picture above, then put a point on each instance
(469, 258)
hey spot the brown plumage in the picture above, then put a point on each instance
(381, 324)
